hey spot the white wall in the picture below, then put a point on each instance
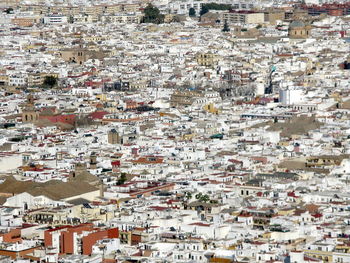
(10, 162)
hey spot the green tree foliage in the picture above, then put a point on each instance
(198, 196)
(204, 10)
(188, 195)
(226, 27)
(214, 6)
(71, 19)
(9, 10)
(152, 15)
(204, 198)
(50, 82)
(192, 12)
(122, 179)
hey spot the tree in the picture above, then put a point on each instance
(71, 19)
(198, 196)
(204, 198)
(50, 81)
(152, 15)
(192, 12)
(9, 10)
(226, 27)
(204, 10)
(214, 6)
(122, 179)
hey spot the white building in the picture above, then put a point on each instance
(290, 96)
(17, 80)
(55, 19)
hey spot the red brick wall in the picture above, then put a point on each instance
(68, 240)
(47, 239)
(135, 239)
(113, 233)
(91, 239)
(13, 236)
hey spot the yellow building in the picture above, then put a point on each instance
(207, 59)
(243, 17)
(24, 21)
(211, 108)
(273, 16)
(325, 160)
(37, 79)
(326, 256)
(4, 80)
(299, 30)
(283, 143)
(286, 212)
(131, 7)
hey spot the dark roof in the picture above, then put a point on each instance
(296, 23)
(197, 203)
(79, 201)
(255, 182)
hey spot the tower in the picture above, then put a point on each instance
(29, 113)
(299, 30)
(102, 190)
(93, 161)
(113, 137)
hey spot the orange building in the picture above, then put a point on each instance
(13, 236)
(23, 21)
(65, 238)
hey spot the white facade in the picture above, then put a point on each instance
(183, 7)
(10, 161)
(290, 96)
(55, 19)
(17, 80)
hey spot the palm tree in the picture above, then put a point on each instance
(198, 196)
(205, 198)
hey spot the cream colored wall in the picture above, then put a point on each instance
(88, 196)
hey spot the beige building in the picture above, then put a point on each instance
(96, 10)
(24, 21)
(207, 59)
(9, 3)
(36, 79)
(80, 55)
(299, 30)
(4, 80)
(180, 98)
(273, 16)
(244, 17)
(123, 18)
(113, 137)
(131, 7)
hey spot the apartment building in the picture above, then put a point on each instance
(243, 17)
